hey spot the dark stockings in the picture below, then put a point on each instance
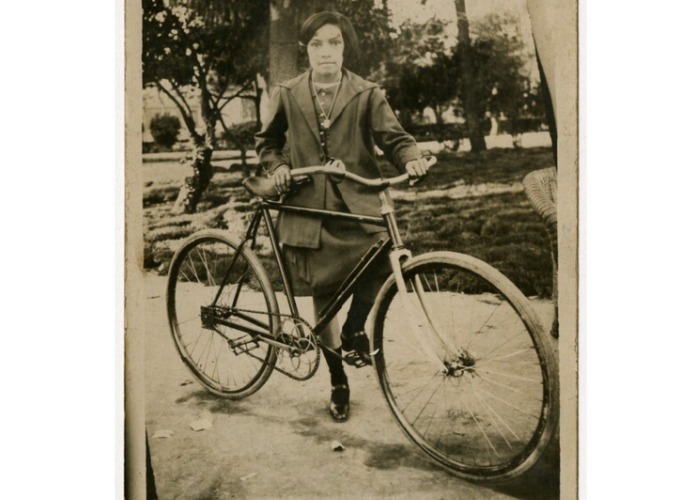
(335, 366)
(357, 316)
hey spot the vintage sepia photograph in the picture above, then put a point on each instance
(351, 249)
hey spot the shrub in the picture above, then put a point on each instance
(165, 129)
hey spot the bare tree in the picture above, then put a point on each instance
(469, 81)
(194, 46)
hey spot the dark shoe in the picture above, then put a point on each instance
(340, 402)
(357, 347)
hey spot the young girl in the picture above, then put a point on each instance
(330, 113)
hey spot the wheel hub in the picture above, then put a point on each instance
(463, 362)
(210, 316)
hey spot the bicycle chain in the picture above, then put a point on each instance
(316, 345)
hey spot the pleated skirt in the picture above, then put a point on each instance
(320, 271)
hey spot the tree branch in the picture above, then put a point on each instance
(237, 94)
(218, 97)
(184, 100)
(184, 110)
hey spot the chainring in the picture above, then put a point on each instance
(302, 359)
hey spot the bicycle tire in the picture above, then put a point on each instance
(493, 409)
(228, 362)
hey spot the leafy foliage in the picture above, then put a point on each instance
(501, 60)
(219, 43)
(372, 23)
(419, 71)
(211, 48)
(165, 129)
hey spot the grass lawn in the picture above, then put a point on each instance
(469, 203)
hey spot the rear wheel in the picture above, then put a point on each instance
(465, 367)
(218, 296)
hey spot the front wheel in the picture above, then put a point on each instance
(465, 367)
(218, 296)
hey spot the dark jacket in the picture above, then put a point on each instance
(361, 119)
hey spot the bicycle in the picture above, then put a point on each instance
(459, 354)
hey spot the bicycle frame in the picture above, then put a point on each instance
(387, 221)
(397, 256)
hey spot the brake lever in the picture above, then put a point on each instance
(415, 181)
(299, 182)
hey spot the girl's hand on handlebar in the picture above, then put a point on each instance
(417, 169)
(282, 178)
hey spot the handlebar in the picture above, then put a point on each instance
(337, 168)
(264, 187)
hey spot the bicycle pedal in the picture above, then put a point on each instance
(358, 360)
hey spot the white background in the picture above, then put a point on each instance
(61, 198)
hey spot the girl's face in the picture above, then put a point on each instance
(325, 52)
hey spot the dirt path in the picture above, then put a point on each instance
(277, 443)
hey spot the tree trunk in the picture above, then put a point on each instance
(193, 189)
(438, 114)
(468, 88)
(284, 27)
(202, 171)
(256, 101)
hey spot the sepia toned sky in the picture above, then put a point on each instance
(445, 9)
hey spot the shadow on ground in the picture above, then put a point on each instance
(539, 483)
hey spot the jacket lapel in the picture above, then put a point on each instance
(349, 88)
(299, 88)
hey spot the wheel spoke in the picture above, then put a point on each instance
(206, 351)
(504, 386)
(203, 257)
(481, 429)
(483, 360)
(509, 340)
(216, 361)
(507, 403)
(414, 346)
(510, 375)
(196, 340)
(493, 412)
(420, 390)
(431, 421)
(194, 268)
(426, 404)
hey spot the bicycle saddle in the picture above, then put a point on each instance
(264, 187)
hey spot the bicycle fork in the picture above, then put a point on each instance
(418, 318)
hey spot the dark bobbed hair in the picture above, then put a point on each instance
(316, 21)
